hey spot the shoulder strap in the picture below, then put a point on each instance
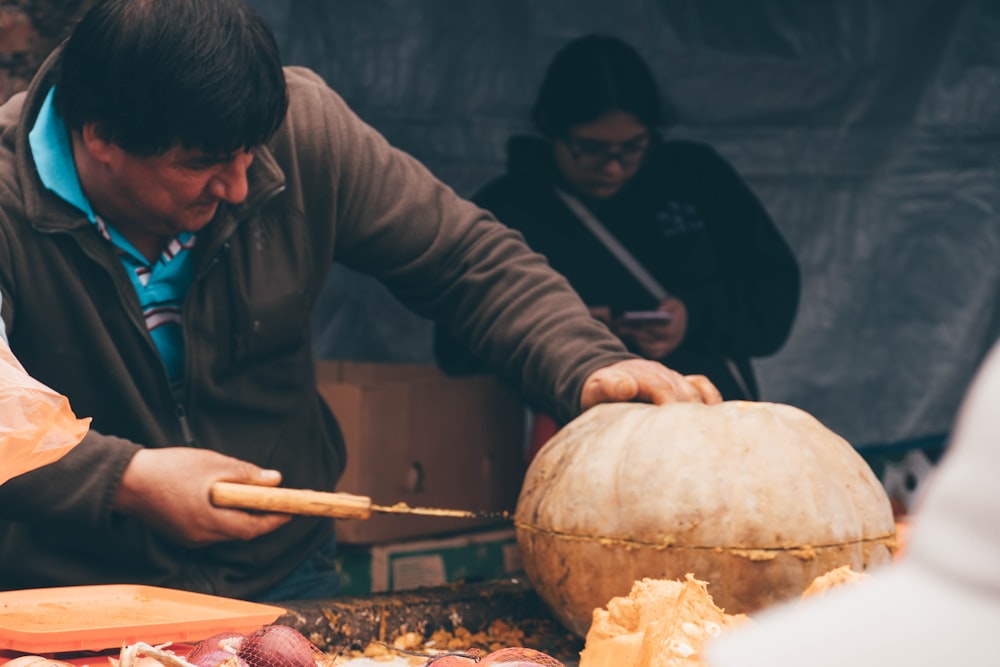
(611, 243)
(636, 269)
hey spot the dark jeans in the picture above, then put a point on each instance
(316, 577)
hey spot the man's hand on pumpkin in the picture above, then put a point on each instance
(645, 381)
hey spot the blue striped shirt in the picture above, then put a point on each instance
(160, 286)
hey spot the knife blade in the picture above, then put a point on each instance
(335, 504)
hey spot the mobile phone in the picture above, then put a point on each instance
(645, 316)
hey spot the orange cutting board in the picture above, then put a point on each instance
(95, 618)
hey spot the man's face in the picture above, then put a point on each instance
(178, 191)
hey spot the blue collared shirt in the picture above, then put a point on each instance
(160, 286)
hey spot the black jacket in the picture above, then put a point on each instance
(691, 221)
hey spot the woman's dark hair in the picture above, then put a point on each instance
(591, 76)
(152, 74)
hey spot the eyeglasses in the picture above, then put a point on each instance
(594, 155)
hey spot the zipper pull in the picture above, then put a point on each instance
(185, 426)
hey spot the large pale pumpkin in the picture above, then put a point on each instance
(757, 499)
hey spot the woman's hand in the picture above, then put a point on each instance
(655, 339)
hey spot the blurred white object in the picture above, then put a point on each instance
(939, 604)
(904, 480)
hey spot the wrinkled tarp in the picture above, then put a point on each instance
(868, 128)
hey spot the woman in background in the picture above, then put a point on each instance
(662, 238)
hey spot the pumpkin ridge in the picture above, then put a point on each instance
(888, 539)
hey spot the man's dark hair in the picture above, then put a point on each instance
(152, 74)
(593, 75)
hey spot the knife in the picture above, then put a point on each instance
(338, 505)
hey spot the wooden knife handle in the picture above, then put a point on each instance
(290, 501)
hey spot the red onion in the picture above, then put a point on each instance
(517, 656)
(449, 660)
(514, 656)
(215, 650)
(217, 658)
(278, 646)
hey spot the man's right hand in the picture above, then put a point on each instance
(169, 490)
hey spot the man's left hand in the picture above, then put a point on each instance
(648, 382)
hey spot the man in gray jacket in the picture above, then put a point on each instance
(171, 199)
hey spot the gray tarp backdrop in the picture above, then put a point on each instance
(870, 130)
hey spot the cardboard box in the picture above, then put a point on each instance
(419, 437)
(468, 557)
